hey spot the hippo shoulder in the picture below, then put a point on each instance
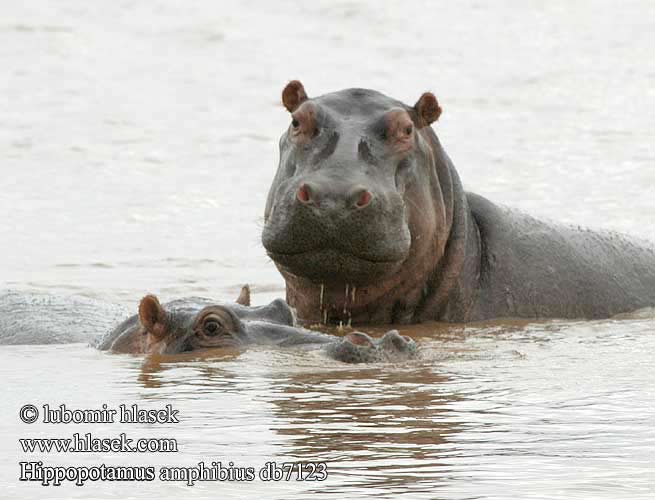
(533, 268)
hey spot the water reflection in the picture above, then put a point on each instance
(152, 374)
(382, 412)
(386, 427)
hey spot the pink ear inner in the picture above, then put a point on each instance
(293, 95)
(152, 315)
(428, 109)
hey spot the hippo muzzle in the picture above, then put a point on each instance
(337, 231)
(358, 347)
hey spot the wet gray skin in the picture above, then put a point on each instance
(198, 324)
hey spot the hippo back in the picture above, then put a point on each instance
(531, 268)
(38, 318)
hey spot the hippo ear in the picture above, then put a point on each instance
(293, 95)
(244, 296)
(428, 110)
(152, 316)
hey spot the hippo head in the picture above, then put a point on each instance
(355, 202)
(174, 329)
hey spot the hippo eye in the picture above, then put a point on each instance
(212, 327)
(408, 129)
(295, 123)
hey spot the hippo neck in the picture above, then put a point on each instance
(453, 286)
(440, 286)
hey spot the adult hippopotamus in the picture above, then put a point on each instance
(368, 222)
(196, 324)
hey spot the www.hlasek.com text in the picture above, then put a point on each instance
(90, 444)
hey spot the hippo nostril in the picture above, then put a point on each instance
(363, 199)
(304, 194)
(407, 339)
(359, 339)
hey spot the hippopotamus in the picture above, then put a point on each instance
(197, 324)
(368, 222)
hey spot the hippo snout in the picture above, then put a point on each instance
(358, 347)
(343, 232)
(393, 341)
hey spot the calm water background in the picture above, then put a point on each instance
(138, 141)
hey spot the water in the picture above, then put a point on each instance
(138, 142)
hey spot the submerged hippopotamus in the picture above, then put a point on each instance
(368, 222)
(196, 324)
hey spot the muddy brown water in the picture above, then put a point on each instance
(138, 141)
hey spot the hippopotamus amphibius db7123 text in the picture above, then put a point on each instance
(198, 324)
(368, 222)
